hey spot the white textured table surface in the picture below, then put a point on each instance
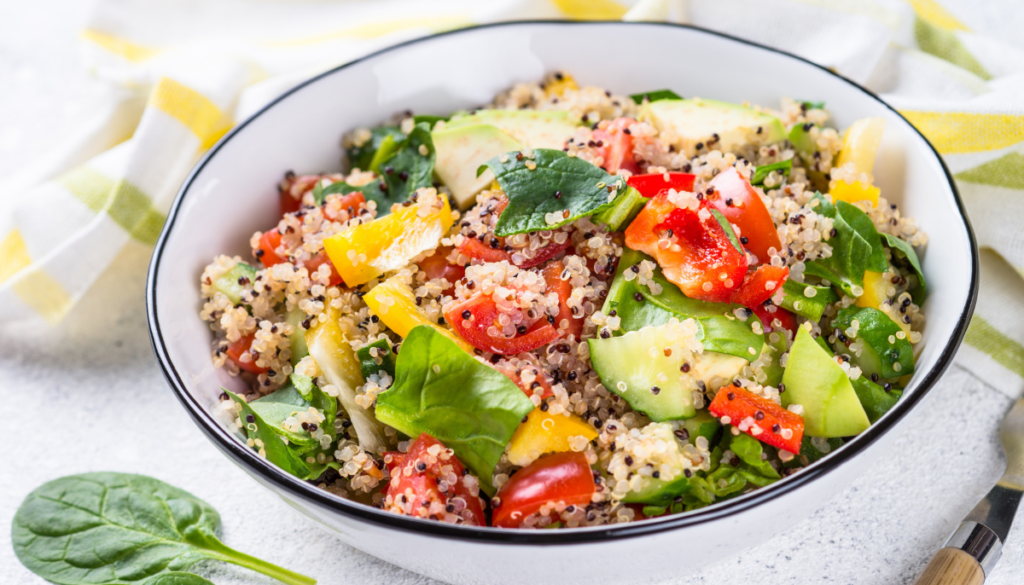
(88, 396)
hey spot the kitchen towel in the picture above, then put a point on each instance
(178, 74)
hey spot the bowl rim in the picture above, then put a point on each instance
(268, 473)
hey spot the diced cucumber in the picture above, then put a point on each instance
(800, 138)
(797, 301)
(626, 207)
(298, 337)
(702, 425)
(231, 282)
(698, 120)
(659, 492)
(720, 329)
(885, 348)
(635, 366)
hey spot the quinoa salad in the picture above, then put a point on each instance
(571, 308)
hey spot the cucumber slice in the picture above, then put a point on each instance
(702, 425)
(229, 284)
(800, 138)
(298, 337)
(626, 207)
(886, 350)
(720, 330)
(635, 366)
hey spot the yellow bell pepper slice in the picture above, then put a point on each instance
(860, 144)
(558, 87)
(395, 304)
(545, 433)
(854, 192)
(366, 251)
(876, 286)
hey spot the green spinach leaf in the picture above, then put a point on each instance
(369, 364)
(901, 249)
(749, 450)
(445, 392)
(797, 301)
(559, 186)
(761, 172)
(812, 105)
(403, 169)
(856, 247)
(359, 157)
(116, 528)
(177, 578)
(429, 120)
(277, 406)
(654, 96)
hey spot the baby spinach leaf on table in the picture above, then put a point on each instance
(654, 96)
(359, 157)
(445, 392)
(368, 363)
(762, 172)
(565, 185)
(177, 578)
(404, 170)
(901, 249)
(116, 528)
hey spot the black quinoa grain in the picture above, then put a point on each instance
(638, 297)
(249, 418)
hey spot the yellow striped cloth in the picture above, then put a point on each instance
(186, 72)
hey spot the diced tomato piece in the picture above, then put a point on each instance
(759, 417)
(349, 203)
(292, 189)
(616, 146)
(478, 250)
(559, 477)
(437, 266)
(654, 183)
(289, 204)
(552, 250)
(313, 264)
(501, 205)
(740, 204)
(541, 379)
(552, 274)
(785, 319)
(266, 251)
(415, 490)
(706, 265)
(759, 285)
(483, 314)
(242, 346)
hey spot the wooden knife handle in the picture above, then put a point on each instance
(952, 566)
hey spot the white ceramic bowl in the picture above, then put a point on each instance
(232, 193)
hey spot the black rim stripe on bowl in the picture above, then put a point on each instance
(269, 473)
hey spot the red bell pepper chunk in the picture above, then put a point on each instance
(478, 250)
(349, 203)
(552, 274)
(741, 205)
(313, 264)
(701, 260)
(516, 376)
(775, 320)
(760, 285)
(240, 347)
(616, 146)
(759, 417)
(419, 493)
(267, 249)
(654, 183)
(483, 314)
(559, 477)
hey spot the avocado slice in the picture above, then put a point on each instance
(533, 128)
(461, 150)
(697, 119)
(815, 381)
